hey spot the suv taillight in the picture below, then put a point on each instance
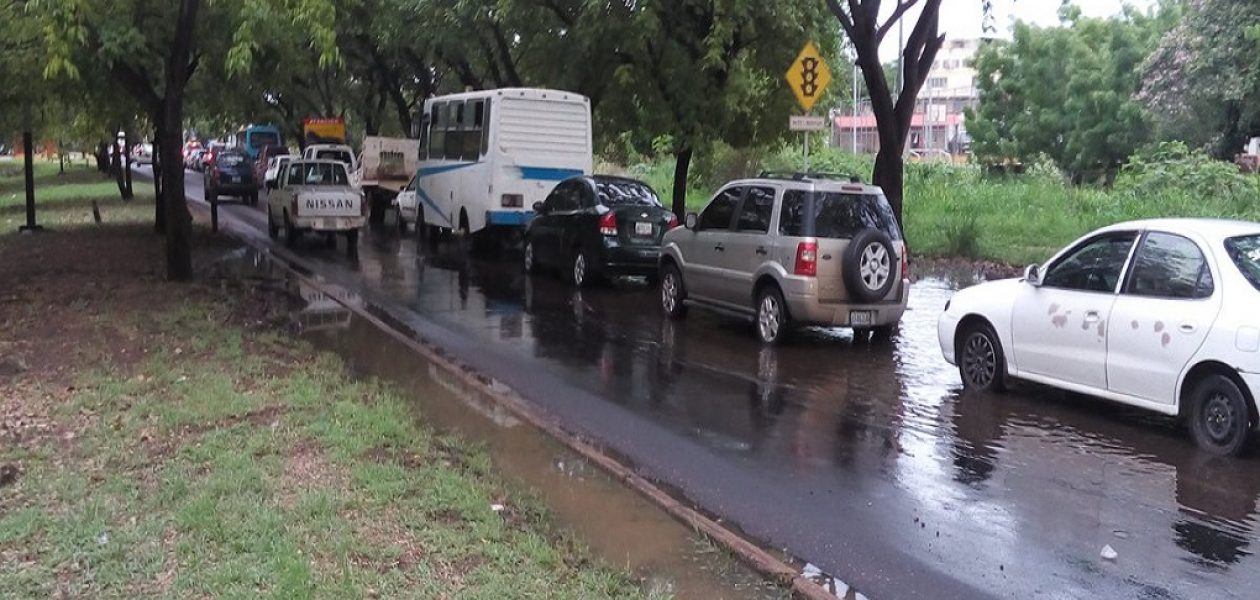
(905, 261)
(608, 224)
(807, 259)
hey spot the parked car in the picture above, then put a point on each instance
(1160, 315)
(210, 155)
(591, 227)
(791, 250)
(192, 159)
(142, 154)
(265, 154)
(272, 170)
(231, 175)
(315, 195)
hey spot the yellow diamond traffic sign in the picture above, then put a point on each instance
(808, 76)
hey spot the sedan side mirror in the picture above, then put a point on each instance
(1032, 275)
(538, 208)
(690, 221)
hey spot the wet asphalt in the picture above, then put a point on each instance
(863, 458)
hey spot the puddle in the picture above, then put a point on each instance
(616, 523)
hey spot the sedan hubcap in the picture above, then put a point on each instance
(875, 267)
(980, 360)
(529, 256)
(768, 318)
(579, 269)
(1219, 417)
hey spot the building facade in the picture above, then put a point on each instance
(938, 124)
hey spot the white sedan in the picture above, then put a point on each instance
(1163, 315)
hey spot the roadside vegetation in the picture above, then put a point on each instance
(967, 211)
(159, 439)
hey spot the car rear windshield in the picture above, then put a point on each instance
(258, 139)
(835, 215)
(625, 193)
(1245, 251)
(230, 159)
(340, 155)
(320, 174)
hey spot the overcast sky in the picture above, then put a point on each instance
(962, 18)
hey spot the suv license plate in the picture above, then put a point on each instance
(643, 229)
(860, 318)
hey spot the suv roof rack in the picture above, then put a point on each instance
(803, 176)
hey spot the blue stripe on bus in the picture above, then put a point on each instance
(425, 172)
(548, 173)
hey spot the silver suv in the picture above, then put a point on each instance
(788, 250)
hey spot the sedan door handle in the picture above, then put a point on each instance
(1091, 316)
(720, 248)
(1188, 327)
(761, 250)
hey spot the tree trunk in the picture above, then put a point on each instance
(159, 203)
(890, 176)
(178, 221)
(116, 169)
(682, 164)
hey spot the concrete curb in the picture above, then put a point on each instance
(765, 563)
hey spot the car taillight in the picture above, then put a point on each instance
(673, 222)
(608, 224)
(807, 259)
(905, 261)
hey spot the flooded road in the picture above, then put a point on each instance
(864, 459)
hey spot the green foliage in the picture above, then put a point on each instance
(1066, 92)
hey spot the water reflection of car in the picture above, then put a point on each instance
(598, 226)
(323, 310)
(1155, 314)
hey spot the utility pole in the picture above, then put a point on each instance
(28, 150)
(855, 105)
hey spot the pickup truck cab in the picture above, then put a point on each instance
(338, 152)
(315, 195)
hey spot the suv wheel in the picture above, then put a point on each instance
(1219, 417)
(870, 266)
(673, 293)
(772, 315)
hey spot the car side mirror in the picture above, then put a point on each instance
(1032, 275)
(691, 221)
(538, 208)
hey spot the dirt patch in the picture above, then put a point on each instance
(963, 269)
(307, 468)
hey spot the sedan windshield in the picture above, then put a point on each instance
(625, 193)
(1245, 252)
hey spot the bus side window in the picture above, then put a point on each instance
(455, 131)
(437, 133)
(483, 120)
(423, 134)
(471, 126)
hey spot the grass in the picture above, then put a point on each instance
(958, 211)
(66, 199)
(171, 440)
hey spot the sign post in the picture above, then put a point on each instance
(808, 77)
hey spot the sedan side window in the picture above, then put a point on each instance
(754, 216)
(1094, 266)
(719, 212)
(1170, 266)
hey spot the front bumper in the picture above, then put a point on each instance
(806, 308)
(946, 329)
(329, 223)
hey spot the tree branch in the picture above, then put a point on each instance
(902, 7)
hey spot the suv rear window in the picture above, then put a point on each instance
(1245, 252)
(835, 215)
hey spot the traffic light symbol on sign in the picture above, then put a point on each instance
(808, 76)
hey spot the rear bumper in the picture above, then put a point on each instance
(806, 308)
(329, 223)
(631, 260)
(236, 188)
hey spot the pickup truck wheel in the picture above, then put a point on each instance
(352, 242)
(290, 231)
(273, 230)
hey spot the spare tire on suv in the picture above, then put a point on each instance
(870, 266)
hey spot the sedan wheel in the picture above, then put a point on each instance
(1220, 419)
(980, 361)
(530, 265)
(580, 273)
(772, 317)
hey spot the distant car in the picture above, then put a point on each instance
(142, 154)
(273, 167)
(1160, 315)
(592, 227)
(316, 196)
(210, 155)
(789, 250)
(265, 154)
(192, 159)
(337, 152)
(231, 175)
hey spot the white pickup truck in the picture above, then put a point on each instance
(315, 195)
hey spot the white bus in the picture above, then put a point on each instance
(486, 157)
